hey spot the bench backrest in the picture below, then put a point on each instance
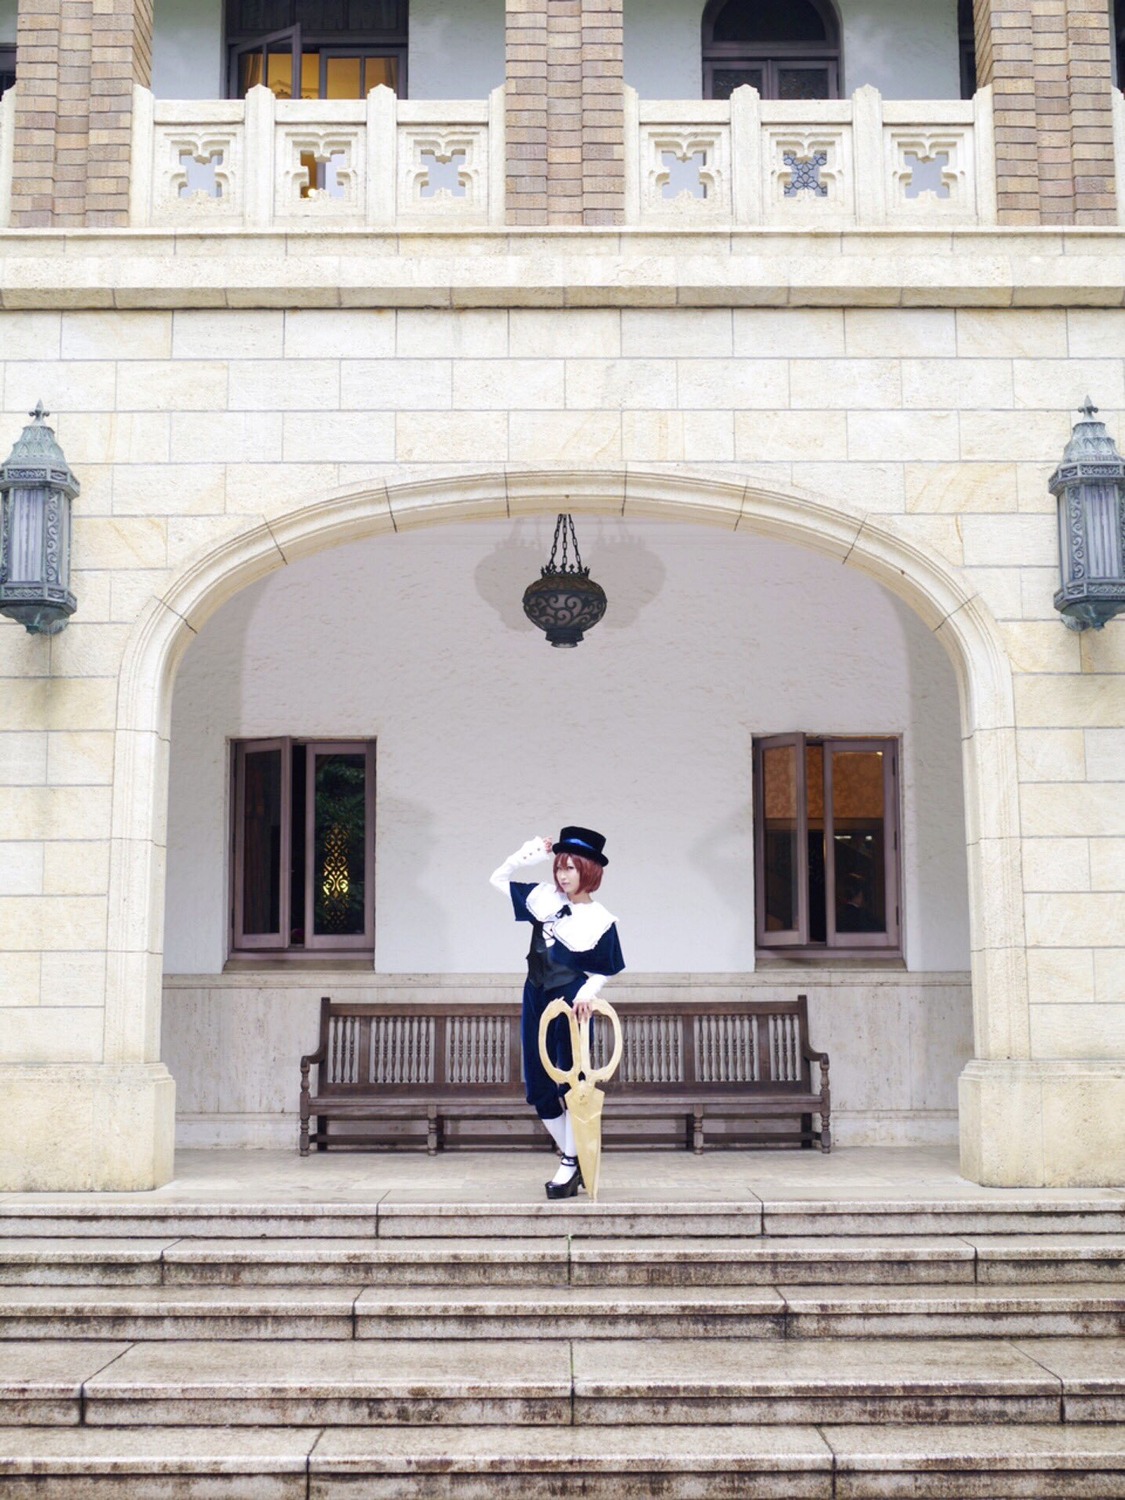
(721, 1045)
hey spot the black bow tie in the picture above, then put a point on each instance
(563, 911)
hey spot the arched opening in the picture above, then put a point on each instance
(786, 49)
(946, 612)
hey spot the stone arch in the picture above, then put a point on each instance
(874, 545)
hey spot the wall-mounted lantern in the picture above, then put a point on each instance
(564, 600)
(37, 490)
(1089, 485)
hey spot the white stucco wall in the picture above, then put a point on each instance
(188, 55)
(906, 48)
(7, 23)
(456, 51)
(487, 736)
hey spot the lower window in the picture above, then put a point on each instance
(826, 845)
(304, 846)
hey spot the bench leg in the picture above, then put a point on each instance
(303, 1141)
(806, 1133)
(825, 1133)
(697, 1132)
(432, 1131)
(322, 1130)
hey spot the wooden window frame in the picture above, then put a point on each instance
(828, 54)
(278, 945)
(795, 942)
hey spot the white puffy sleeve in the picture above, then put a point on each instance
(527, 854)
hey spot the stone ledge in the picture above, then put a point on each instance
(563, 267)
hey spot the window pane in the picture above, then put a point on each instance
(859, 838)
(724, 81)
(251, 71)
(380, 70)
(322, 17)
(818, 905)
(259, 15)
(279, 71)
(779, 801)
(339, 840)
(802, 83)
(345, 78)
(261, 842)
(769, 21)
(310, 75)
(297, 836)
(375, 15)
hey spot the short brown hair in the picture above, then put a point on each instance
(589, 871)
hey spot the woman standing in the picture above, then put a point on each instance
(574, 950)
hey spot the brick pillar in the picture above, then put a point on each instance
(565, 115)
(77, 63)
(1049, 64)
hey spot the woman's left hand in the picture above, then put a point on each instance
(583, 1010)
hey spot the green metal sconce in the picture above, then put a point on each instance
(1089, 485)
(37, 490)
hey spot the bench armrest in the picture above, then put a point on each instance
(820, 1057)
(313, 1057)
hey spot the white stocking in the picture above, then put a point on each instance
(556, 1128)
(566, 1168)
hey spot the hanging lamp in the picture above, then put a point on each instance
(564, 601)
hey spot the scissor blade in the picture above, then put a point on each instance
(585, 1106)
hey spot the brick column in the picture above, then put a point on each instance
(565, 116)
(77, 63)
(1049, 64)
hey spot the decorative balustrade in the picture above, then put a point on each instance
(829, 163)
(261, 162)
(385, 162)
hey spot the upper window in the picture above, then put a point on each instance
(7, 68)
(317, 49)
(304, 846)
(826, 844)
(786, 49)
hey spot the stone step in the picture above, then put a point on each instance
(478, 1463)
(558, 1382)
(1094, 1310)
(534, 1261)
(403, 1214)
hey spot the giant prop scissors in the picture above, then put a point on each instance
(584, 1100)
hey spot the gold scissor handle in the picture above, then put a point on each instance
(580, 1043)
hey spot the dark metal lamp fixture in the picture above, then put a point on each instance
(1090, 487)
(564, 601)
(37, 490)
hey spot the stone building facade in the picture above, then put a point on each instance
(327, 369)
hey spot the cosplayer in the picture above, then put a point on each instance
(574, 950)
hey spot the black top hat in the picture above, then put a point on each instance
(583, 841)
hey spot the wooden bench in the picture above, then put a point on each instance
(741, 1063)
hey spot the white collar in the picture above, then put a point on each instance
(581, 929)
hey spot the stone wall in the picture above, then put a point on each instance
(911, 442)
(897, 1042)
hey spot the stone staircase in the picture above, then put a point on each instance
(841, 1349)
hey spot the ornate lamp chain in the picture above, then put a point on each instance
(565, 533)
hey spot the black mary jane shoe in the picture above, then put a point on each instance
(568, 1189)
